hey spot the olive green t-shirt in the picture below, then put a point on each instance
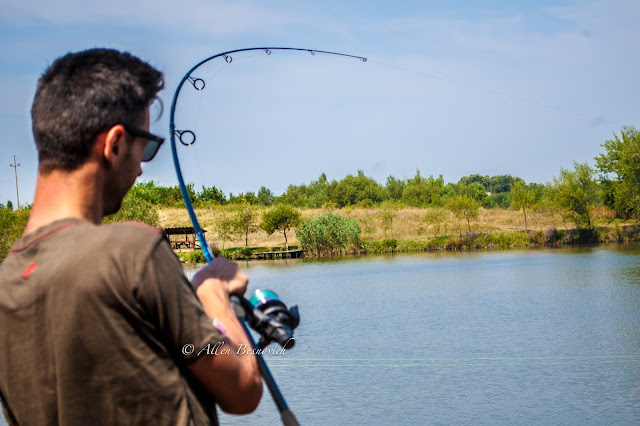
(93, 321)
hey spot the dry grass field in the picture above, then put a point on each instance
(408, 223)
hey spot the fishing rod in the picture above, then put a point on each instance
(263, 314)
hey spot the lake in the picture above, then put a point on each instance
(549, 336)
(526, 337)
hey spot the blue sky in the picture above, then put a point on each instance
(450, 88)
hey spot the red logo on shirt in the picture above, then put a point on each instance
(29, 270)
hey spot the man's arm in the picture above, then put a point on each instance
(169, 301)
(232, 378)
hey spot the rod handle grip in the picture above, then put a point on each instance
(288, 419)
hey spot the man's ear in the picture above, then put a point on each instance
(114, 144)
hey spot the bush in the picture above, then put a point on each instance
(12, 224)
(245, 251)
(630, 232)
(471, 240)
(551, 235)
(508, 239)
(581, 236)
(432, 244)
(372, 247)
(388, 245)
(366, 203)
(453, 243)
(500, 199)
(236, 253)
(329, 233)
(194, 256)
(536, 237)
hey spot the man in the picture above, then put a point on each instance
(98, 324)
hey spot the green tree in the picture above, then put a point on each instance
(311, 196)
(464, 207)
(482, 180)
(150, 192)
(295, 195)
(522, 198)
(353, 190)
(212, 194)
(388, 212)
(281, 219)
(499, 199)
(265, 196)
(475, 191)
(172, 196)
(315, 192)
(421, 192)
(501, 184)
(9, 204)
(245, 222)
(225, 229)
(135, 208)
(394, 188)
(620, 168)
(244, 198)
(576, 191)
(161, 195)
(435, 217)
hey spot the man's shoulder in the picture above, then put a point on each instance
(135, 235)
(84, 232)
(133, 228)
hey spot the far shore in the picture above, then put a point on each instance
(411, 231)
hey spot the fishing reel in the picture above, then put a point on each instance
(269, 317)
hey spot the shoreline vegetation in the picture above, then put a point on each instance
(357, 214)
(412, 231)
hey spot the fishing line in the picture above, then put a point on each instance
(500, 93)
(453, 362)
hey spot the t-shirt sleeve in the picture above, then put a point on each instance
(169, 299)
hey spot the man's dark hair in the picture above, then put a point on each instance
(84, 94)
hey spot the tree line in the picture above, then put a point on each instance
(613, 182)
(353, 190)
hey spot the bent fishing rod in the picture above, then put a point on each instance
(243, 308)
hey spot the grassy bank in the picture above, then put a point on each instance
(408, 230)
(411, 229)
(415, 229)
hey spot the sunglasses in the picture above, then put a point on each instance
(153, 144)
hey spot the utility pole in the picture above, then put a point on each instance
(15, 170)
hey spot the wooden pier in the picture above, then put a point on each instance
(285, 254)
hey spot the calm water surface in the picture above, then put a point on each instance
(513, 337)
(542, 337)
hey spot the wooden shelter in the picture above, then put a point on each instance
(182, 238)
